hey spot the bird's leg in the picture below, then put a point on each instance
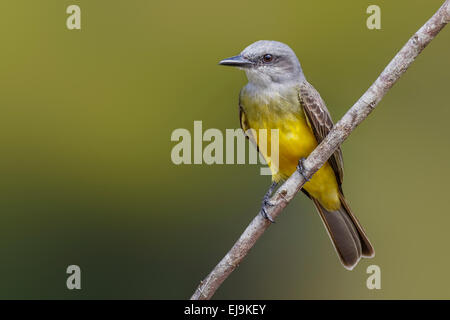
(266, 202)
(301, 168)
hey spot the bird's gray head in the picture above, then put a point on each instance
(267, 62)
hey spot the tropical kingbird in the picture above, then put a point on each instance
(277, 96)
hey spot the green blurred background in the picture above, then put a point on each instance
(87, 178)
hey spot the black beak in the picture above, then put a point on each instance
(236, 61)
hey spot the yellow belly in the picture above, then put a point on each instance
(296, 141)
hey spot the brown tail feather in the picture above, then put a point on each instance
(367, 249)
(346, 233)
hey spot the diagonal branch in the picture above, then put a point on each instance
(360, 110)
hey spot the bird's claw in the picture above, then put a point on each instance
(265, 214)
(267, 203)
(301, 169)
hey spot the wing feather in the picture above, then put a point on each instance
(245, 125)
(320, 121)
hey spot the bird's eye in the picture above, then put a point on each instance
(267, 57)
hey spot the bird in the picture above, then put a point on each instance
(278, 96)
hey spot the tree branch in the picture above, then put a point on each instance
(355, 115)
